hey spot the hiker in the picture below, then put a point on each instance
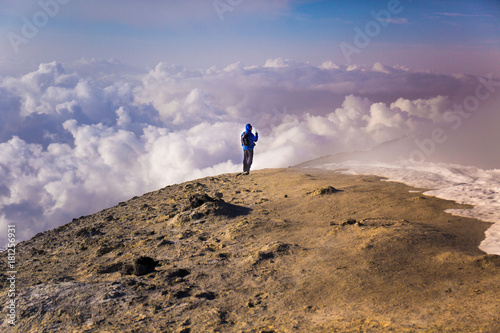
(248, 140)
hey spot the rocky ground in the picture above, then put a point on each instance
(288, 250)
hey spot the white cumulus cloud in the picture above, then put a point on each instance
(81, 137)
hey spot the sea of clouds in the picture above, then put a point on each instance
(80, 137)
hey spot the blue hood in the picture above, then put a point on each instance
(251, 137)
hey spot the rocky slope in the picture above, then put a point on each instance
(289, 250)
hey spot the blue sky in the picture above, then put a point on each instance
(445, 35)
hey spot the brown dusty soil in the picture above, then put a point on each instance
(281, 250)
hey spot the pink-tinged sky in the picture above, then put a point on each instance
(444, 36)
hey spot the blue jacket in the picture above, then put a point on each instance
(253, 138)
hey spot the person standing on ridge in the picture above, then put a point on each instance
(248, 140)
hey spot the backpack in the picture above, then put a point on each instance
(245, 140)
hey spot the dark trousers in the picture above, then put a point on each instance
(247, 160)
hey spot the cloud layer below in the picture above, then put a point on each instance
(81, 137)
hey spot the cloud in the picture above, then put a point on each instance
(454, 14)
(79, 138)
(424, 108)
(397, 20)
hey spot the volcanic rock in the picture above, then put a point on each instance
(181, 259)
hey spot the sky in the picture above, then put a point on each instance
(448, 36)
(101, 101)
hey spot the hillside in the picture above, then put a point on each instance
(282, 250)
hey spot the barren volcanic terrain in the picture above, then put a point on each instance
(281, 250)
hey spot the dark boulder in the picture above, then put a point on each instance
(141, 266)
(197, 200)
